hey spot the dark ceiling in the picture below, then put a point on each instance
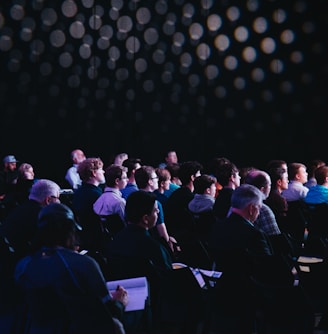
(246, 80)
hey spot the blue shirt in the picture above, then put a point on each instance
(317, 194)
(130, 188)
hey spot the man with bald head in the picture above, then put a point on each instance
(266, 221)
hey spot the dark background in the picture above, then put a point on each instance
(145, 76)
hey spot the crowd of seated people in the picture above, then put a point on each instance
(206, 219)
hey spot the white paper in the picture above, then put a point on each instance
(137, 289)
(309, 259)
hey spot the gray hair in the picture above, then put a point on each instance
(42, 189)
(246, 194)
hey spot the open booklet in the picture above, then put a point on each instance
(137, 289)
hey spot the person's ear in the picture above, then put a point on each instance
(145, 220)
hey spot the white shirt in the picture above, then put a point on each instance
(296, 191)
(73, 177)
(110, 202)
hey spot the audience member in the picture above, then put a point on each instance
(141, 213)
(213, 168)
(243, 171)
(147, 180)
(251, 272)
(164, 181)
(311, 168)
(111, 202)
(201, 208)
(66, 291)
(170, 157)
(228, 177)
(72, 176)
(266, 220)
(92, 175)
(20, 225)
(175, 182)
(177, 204)
(277, 203)
(17, 233)
(204, 190)
(135, 244)
(297, 175)
(132, 164)
(25, 180)
(233, 243)
(276, 163)
(120, 158)
(319, 192)
(110, 206)
(8, 179)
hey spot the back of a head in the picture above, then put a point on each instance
(313, 165)
(276, 174)
(42, 189)
(224, 172)
(202, 182)
(246, 194)
(293, 169)
(119, 158)
(216, 163)
(257, 178)
(272, 164)
(143, 175)
(56, 226)
(173, 168)
(77, 156)
(132, 164)
(138, 204)
(188, 169)
(86, 167)
(114, 172)
(321, 174)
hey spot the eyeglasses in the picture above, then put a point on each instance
(154, 178)
(54, 197)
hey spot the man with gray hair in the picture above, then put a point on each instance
(17, 232)
(20, 225)
(234, 244)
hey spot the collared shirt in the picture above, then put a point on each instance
(295, 191)
(73, 177)
(109, 203)
(266, 221)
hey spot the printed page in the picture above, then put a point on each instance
(137, 289)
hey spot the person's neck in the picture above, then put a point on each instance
(242, 213)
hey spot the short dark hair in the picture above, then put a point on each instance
(188, 169)
(112, 173)
(138, 204)
(225, 171)
(321, 174)
(131, 164)
(143, 175)
(202, 182)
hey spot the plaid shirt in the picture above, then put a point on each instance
(266, 221)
